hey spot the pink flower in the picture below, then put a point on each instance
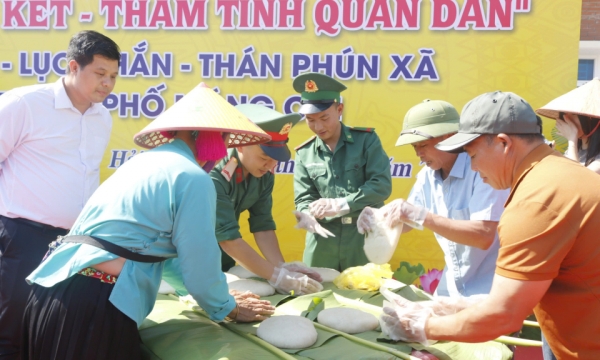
(430, 281)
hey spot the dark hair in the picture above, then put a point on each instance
(588, 124)
(85, 44)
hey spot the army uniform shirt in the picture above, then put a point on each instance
(359, 171)
(236, 195)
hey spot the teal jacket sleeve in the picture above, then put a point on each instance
(261, 213)
(378, 185)
(197, 249)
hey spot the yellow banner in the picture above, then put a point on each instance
(391, 54)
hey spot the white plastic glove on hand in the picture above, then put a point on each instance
(310, 224)
(285, 281)
(401, 211)
(328, 208)
(366, 220)
(300, 267)
(405, 324)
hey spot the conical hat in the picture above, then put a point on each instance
(585, 100)
(202, 109)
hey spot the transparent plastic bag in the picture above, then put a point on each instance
(381, 241)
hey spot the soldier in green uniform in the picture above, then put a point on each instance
(244, 181)
(337, 173)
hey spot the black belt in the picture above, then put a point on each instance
(38, 225)
(111, 248)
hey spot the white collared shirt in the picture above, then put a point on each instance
(462, 196)
(49, 154)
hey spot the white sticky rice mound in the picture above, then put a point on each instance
(348, 320)
(288, 332)
(165, 288)
(327, 274)
(230, 277)
(259, 288)
(241, 272)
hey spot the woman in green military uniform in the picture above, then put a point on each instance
(337, 173)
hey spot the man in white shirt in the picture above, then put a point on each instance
(451, 200)
(53, 139)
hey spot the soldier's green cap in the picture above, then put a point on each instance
(274, 123)
(317, 92)
(428, 120)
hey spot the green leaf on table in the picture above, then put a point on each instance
(314, 308)
(408, 273)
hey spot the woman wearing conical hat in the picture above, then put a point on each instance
(96, 285)
(577, 115)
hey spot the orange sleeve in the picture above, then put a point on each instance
(534, 240)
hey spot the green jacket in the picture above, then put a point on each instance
(236, 195)
(359, 171)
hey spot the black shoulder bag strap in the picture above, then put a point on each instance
(112, 248)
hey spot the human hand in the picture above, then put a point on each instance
(239, 295)
(285, 281)
(310, 224)
(252, 309)
(400, 210)
(329, 207)
(303, 269)
(365, 220)
(567, 128)
(405, 323)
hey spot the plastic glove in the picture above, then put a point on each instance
(401, 211)
(285, 281)
(310, 224)
(303, 269)
(406, 324)
(365, 220)
(329, 207)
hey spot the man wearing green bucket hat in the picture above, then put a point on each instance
(337, 173)
(451, 200)
(244, 181)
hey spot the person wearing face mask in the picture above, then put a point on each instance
(451, 200)
(160, 204)
(244, 182)
(337, 173)
(577, 116)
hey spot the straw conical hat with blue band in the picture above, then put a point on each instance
(584, 100)
(274, 123)
(202, 109)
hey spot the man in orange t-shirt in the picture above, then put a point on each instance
(549, 249)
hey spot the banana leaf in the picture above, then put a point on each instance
(408, 273)
(173, 331)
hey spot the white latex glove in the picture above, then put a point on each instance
(329, 207)
(365, 221)
(401, 211)
(300, 267)
(310, 224)
(405, 324)
(285, 281)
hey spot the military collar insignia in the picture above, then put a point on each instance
(286, 129)
(310, 86)
(229, 168)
